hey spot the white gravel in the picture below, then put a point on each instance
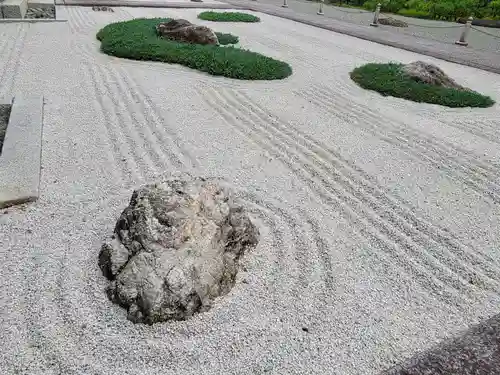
(379, 217)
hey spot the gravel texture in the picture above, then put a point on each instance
(377, 216)
(475, 352)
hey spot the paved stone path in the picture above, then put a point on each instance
(434, 30)
(479, 56)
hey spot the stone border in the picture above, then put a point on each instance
(20, 161)
(13, 8)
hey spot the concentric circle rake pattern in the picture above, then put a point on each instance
(72, 322)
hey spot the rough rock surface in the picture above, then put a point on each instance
(389, 21)
(429, 73)
(176, 247)
(184, 31)
(476, 352)
(36, 13)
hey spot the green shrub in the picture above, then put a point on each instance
(494, 8)
(414, 13)
(225, 39)
(137, 40)
(437, 9)
(443, 10)
(418, 5)
(228, 17)
(370, 5)
(390, 6)
(388, 80)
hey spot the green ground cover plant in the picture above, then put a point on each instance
(389, 80)
(137, 39)
(228, 17)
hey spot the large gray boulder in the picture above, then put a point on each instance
(176, 247)
(430, 74)
(184, 31)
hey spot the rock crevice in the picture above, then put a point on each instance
(430, 74)
(175, 248)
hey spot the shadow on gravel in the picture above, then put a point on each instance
(4, 120)
(476, 352)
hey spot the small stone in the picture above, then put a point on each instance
(305, 329)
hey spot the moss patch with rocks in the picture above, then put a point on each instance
(227, 39)
(138, 40)
(389, 80)
(228, 17)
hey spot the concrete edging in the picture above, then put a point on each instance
(20, 161)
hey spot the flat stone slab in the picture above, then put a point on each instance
(13, 8)
(476, 352)
(20, 160)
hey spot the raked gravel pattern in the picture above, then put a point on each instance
(379, 217)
